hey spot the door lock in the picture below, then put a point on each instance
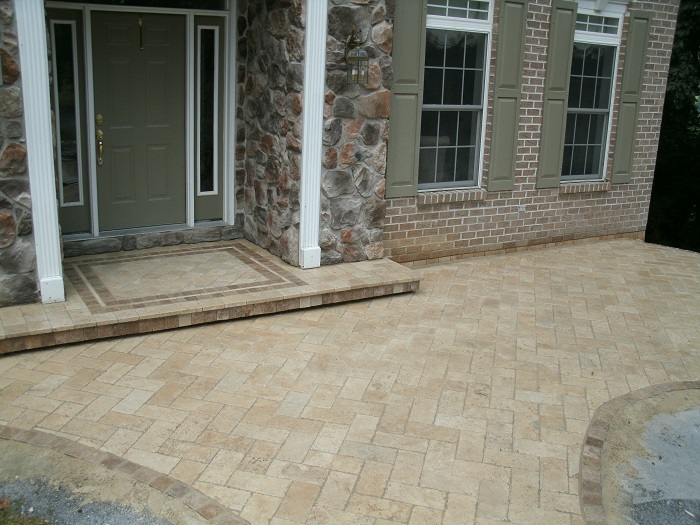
(100, 137)
(98, 119)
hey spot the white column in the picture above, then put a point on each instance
(31, 33)
(312, 143)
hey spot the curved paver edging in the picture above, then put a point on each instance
(590, 481)
(206, 507)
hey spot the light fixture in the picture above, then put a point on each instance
(357, 60)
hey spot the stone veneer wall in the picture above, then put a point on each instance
(17, 253)
(445, 225)
(355, 134)
(268, 122)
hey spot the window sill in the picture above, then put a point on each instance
(428, 198)
(599, 186)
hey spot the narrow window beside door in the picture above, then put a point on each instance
(207, 110)
(67, 113)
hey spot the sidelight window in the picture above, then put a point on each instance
(67, 112)
(207, 109)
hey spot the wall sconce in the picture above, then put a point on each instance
(357, 60)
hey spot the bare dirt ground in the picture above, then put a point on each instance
(650, 469)
(72, 491)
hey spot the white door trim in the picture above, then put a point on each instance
(31, 33)
(312, 144)
(229, 153)
(190, 157)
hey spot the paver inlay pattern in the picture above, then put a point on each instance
(466, 402)
(109, 282)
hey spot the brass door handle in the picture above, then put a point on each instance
(100, 144)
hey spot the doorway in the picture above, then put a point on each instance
(139, 97)
(139, 93)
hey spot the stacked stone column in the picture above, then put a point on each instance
(17, 253)
(355, 135)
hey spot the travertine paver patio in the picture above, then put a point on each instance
(466, 402)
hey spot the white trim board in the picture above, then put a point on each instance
(31, 32)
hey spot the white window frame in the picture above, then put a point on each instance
(473, 26)
(198, 142)
(612, 10)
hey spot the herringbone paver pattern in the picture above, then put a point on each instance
(466, 402)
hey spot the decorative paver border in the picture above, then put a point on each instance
(590, 480)
(98, 298)
(206, 507)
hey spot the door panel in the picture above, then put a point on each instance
(140, 94)
(123, 187)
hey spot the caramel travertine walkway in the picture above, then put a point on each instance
(466, 402)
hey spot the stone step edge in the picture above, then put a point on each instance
(169, 321)
(147, 240)
(202, 504)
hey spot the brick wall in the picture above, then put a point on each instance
(456, 224)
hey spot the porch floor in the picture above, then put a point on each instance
(138, 292)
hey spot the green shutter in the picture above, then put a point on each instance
(406, 98)
(506, 106)
(556, 91)
(630, 96)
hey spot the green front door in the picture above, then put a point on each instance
(139, 95)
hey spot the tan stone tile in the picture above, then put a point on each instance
(336, 490)
(330, 438)
(324, 515)
(560, 502)
(408, 467)
(259, 483)
(297, 503)
(532, 515)
(461, 509)
(368, 452)
(259, 456)
(156, 435)
(373, 478)
(449, 482)
(425, 516)
(260, 508)
(121, 441)
(297, 472)
(363, 428)
(221, 467)
(296, 447)
(187, 471)
(229, 497)
(334, 462)
(440, 456)
(379, 508)
(187, 450)
(132, 401)
(493, 500)
(425, 497)
(159, 462)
